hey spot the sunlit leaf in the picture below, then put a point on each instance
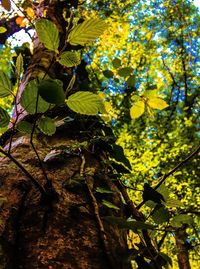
(157, 103)
(86, 32)
(48, 34)
(19, 65)
(85, 103)
(2, 29)
(137, 109)
(70, 58)
(110, 205)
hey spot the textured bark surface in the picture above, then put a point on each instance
(183, 253)
(65, 233)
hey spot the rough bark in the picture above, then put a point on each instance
(66, 232)
(183, 253)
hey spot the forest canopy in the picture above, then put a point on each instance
(141, 79)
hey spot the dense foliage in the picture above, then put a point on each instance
(144, 84)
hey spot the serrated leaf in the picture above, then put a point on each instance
(48, 34)
(161, 215)
(181, 219)
(52, 91)
(46, 125)
(125, 71)
(171, 202)
(19, 65)
(108, 73)
(2, 29)
(29, 99)
(70, 58)
(4, 118)
(25, 127)
(85, 103)
(103, 190)
(86, 32)
(6, 4)
(116, 63)
(157, 103)
(137, 109)
(5, 85)
(110, 205)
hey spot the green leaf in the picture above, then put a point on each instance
(70, 58)
(110, 205)
(172, 202)
(48, 34)
(161, 215)
(118, 154)
(52, 91)
(2, 29)
(116, 63)
(151, 93)
(46, 125)
(5, 85)
(103, 190)
(108, 73)
(29, 99)
(19, 65)
(157, 103)
(181, 219)
(125, 71)
(131, 81)
(25, 127)
(86, 32)
(125, 224)
(85, 103)
(150, 194)
(137, 109)
(4, 118)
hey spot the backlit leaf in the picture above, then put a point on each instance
(70, 58)
(5, 85)
(85, 103)
(110, 205)
(86, 32)
(29, 99)
(48, 34)
(157, 103)
(2, 29)
(137, 109)
(4, 118)
(19, 65)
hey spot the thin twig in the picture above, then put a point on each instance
(35, 183)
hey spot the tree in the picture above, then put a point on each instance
(64, 202)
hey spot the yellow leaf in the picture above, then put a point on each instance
(30, 12)
(137, 109)
(151, 93)
(157, 103)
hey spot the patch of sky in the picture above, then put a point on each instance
(21, 37)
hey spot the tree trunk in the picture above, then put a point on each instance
(62, 228)
(183, 253)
